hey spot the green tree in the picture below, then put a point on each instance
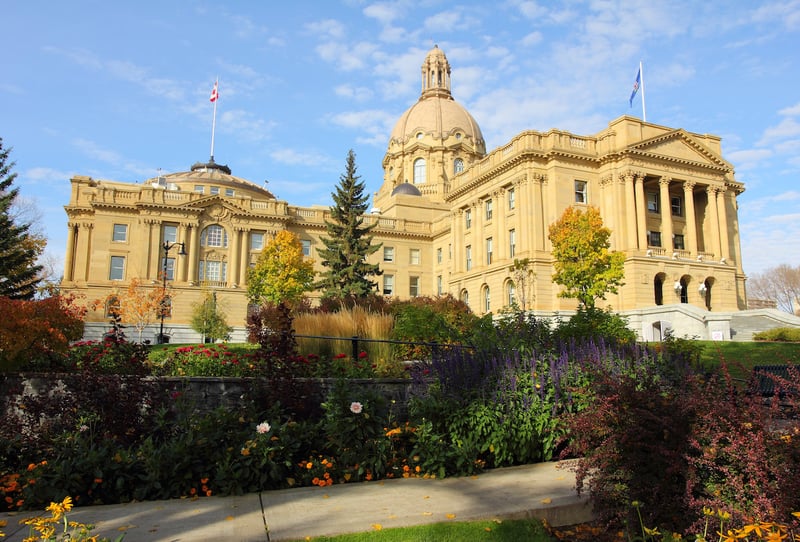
(19, 249)
(281, 274)
(584, 265)
(209, 320)
(523, 276)
(348, 241)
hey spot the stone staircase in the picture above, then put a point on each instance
(746, 323)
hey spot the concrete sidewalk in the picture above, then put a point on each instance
(544, 491)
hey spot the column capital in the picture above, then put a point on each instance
(689, 185)
(665, 181)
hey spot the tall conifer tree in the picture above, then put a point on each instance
(348, 242)
(19, 274)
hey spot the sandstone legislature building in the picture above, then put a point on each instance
(451, 219)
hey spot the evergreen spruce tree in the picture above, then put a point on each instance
(348, 242)
(19, 274)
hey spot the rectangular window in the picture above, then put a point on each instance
(488, 209)
(489, 250)
(414, 257)
(468, 218)
(413, 286)
(120, 233)
(677, 205)
(439, 255)
(677, 242)
(439, 285)
(214, 190)
(388, 285)
(306, 247)
(199, 188)
(229, 192)
(652, 202)
(117, 269)
(469, 257)
(512, 200)
(169, 234)
(388, 254)
(654, 238)
(256, 240)
(580, 192)
(170, 274)
(213, 271)
(512, 243)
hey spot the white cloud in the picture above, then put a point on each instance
(787, 128)
(329, 28)
(791, 111)
(749, 158)
(359, 94)
(532, 39)
(45, 175)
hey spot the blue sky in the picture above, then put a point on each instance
(119, 90)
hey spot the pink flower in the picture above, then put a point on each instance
(356, 407)
(263, 427)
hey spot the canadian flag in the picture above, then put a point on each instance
(214, 92)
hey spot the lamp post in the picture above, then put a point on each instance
(167, 246)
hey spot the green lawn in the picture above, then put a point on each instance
(741, 357)
(478, 531)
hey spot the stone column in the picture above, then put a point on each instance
(180, 261)
(641, 212)
(500, 236)
(691, 218)
(631, 239)
(244, 257)
(722, 209)
(666, 214)
(713, 214)
(235, 256)
(194, 252)
(83, 251)
(69, 257)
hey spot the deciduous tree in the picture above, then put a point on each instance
(780, 284)
(139, 305)
(32, 329)
(281, 274)
(209, 320)
(522, 275)
(584, 265)
(348, 242)
(19, 248)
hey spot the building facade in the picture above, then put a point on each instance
(451, 218)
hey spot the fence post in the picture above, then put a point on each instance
(355, 347)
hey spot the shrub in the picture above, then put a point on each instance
(109, 356)
(595, 324)
(205, 360)
(783, 334)
(441, 319)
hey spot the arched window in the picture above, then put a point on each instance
(658, 289)
(419, 171)
(214, 236)
(465, 297)
(487, 300)
(458, 166)
(705, 292)
(511, 294)
(112, 306)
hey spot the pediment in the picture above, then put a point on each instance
(679, 146)
(214, 206)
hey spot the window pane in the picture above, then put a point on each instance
(117, 271)
(512, 199)
(580, 191)
(170, 274)
(199, 188)
(677, 206)
(419, 171)
(469, 258)
(678, 241)
(120, 233)
(388, 254)
(256, 240)
(413, 286)
(512, 243)
(229, 192)
(458, 166)
(214, 236)
(489, 249)
(438, 255)
(652, 202)
(414, 256)
(214, 190)
(170, 234)
(388, 284)
(488, 209)
(468, 218)
(306, 247)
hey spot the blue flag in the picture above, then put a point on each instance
(636, 85)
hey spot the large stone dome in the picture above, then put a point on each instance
(436, 114)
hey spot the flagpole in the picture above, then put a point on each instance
(214, 120)
(644, 111)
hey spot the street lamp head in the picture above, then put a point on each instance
(182, 251)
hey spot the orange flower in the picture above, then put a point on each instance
(329, 482)
(208, 493)
(315, 481)
(203, 480)
(98, 480)
(309, 465)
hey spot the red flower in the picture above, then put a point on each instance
(340, 356)
(362, 355)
